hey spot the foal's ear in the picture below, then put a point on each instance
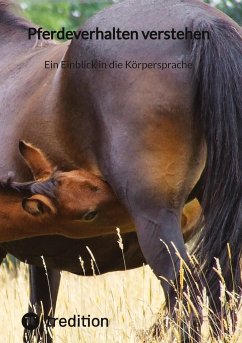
(36, 160)
(39, 205)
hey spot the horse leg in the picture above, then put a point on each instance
(156, 171)
(43, 296)
(3, 254)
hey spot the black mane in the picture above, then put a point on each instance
(29, 188)
(47, 188)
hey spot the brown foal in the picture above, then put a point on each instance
(37, 208)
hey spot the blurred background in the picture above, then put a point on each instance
(54, 14)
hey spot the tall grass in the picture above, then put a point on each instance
(132, 301)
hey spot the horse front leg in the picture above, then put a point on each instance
(44, 286)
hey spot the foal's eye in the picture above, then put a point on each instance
(93, 188)
(40, 207)
(91, 215)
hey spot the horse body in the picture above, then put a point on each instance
(148, 133)
(46, 105)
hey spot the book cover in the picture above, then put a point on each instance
(120, 171)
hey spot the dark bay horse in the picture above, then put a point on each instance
(157, 137)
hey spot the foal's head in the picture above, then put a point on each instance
(76, 194)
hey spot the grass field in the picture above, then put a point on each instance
(130, 300)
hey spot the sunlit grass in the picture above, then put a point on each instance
(131, 300)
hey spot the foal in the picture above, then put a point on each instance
(55, 198)
(60, 202)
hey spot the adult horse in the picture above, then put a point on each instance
(151, 134)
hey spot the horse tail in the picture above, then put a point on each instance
(217, 71)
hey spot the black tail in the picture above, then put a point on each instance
(217, 64)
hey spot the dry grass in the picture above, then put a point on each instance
(131, 301)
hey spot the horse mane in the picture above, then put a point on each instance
(46, 187)
(10, 14)
(9, 185)
(6, 184)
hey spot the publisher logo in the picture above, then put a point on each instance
(30, 321)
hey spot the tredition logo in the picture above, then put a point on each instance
(30, 321)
